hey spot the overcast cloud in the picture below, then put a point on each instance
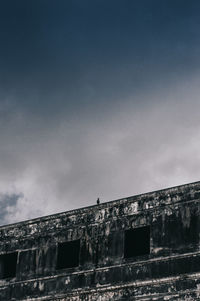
(97, 99)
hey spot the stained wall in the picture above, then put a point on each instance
(171, 270)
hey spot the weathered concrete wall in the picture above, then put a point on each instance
(170, 272)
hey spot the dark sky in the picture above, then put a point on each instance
(98, 98)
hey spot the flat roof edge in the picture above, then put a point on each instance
(101, 205)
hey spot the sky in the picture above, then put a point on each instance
(98, 98)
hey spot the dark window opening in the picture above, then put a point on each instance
(8, 263)
(137, 242)
(68, 254)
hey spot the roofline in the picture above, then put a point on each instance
(101, 205)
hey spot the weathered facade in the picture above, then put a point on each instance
(145, 247)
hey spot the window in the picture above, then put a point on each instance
(8, 264)
(137, 242)
(68, 254)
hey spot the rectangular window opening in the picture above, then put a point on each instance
(8, 263)
(137, 242)
(68, 254)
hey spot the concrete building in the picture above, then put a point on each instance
(145, 247)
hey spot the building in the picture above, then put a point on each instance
(145, 247)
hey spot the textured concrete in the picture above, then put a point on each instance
(170, 272)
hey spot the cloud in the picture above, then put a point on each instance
(8, 203)
(96, 100)
(51, 167)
